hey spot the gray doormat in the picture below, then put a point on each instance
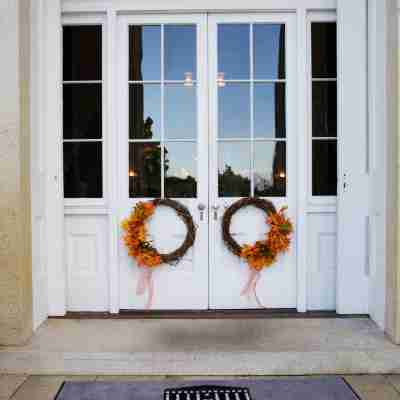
(326, 388)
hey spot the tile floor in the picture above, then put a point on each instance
(37, 387)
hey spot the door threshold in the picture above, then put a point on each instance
(209, 314)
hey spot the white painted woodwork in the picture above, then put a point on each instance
(321, 262)
(228, 274)
(53, 172)
(200, 281)
(184, 286)
(87, 263)
(353, 223)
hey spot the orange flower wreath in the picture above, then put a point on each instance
(263, 253)
(140, 247)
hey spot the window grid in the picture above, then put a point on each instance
(162, 82)
(318, 138)
(84, 82)
(251, 83)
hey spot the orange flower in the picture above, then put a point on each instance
(135, 237)
(263, 254)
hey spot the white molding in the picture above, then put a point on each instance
(39, 271)
(302, 112)
(353, 199)
(173, 6)
(51, 110)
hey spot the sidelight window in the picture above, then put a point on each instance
(82, 111)
(324, 108)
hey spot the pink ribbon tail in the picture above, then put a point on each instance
(146, 282)
(251, 286)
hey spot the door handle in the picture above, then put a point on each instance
(201, 208)
(215, 210)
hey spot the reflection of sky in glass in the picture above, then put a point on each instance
(236, 155)
(265, 103)
(181, 159)
(234, 111)
(180, 111)
(233, 50)
(151, 48)
(180, 51)
(267, 45)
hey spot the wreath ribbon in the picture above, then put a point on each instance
(144, 283)
(251, 286)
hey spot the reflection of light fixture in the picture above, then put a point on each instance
(132, 173)
(221, 79)
(282, 175)
(188, 81)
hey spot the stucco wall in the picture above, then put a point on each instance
(15, 226)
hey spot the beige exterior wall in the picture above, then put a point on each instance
(15, 219)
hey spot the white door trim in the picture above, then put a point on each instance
(47, 94)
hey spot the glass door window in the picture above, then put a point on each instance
(251, 86)
(162, 111)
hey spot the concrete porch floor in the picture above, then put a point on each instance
(204, 347)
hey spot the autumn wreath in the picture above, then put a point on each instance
(262, 253)
(136, 235)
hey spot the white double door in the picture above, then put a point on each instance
(206, 117)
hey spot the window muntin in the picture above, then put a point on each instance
(251, 85)
(324, 108)
(162, 111)
(82, 111)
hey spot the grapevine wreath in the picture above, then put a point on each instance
(263, 253)
(136, 235)
(140, 247)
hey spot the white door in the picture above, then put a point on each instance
(169, 148)
(252, 148)
(163, 150)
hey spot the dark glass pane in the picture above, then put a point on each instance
(144, 53)
(180, 51)
(269, 51)
(82, 53)
(324, 109)
(144, 111)
(324, 168)
(234, 51)
(83, 169)
(324, 49)
(180, 169)
(269, 110)
(82, 111)
(234, 169)
(144, 169)
(234, 111)
(180, 111)
(270, 169)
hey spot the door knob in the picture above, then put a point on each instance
(201, 208)
(215, 209)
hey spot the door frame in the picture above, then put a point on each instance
(46, 128)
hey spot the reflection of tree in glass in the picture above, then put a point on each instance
(232, 185)
(178, 186)
(147, 128)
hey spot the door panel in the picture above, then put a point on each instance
(163, 150)
(252, 149)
